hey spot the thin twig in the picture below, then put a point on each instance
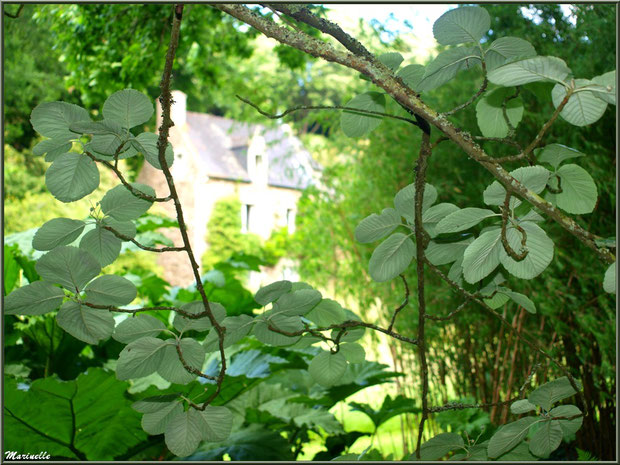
(449, 315)
(143, 247)
(17, 13)
(511, 128)
(401, 306)
(509, 250)
(324, 107)
(474, 97)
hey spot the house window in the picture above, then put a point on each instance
(290, 220)
(260, 168)
(246, 214)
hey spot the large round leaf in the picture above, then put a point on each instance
(126, 228)
(111, 289)
(182, 323)
(101, 244)
(579, 192)
(506, 49)
(171, 368)
(71, 177)
(441, 254)
(490, 114)
(461, 25)
(184, 432)
(128, 108)
(298, 302)
(540, 251)
(434, 214)
(609, 281)
(52, 119)
(481, 257)
(122, 205)
(569, 427)
(411, 75)
(136, 327)
(359, 124)
(327, 312)
(52, 148)
(463, 219)
(546, 439)
(391, 257)
(84, 323)
(327, 368)
(375, 226)
(55, 232)
(555, 154)
(508, 436)
(267, 336)
(391, 59)
(404, 201)
(539, 68)
(156, 422)
(146, 143)
(533, 177)
(553, 391)
(140, 358)
(582, 108)
(273, 291)
(447, 65)
(440, 445)
(68, 266)
(33, 299)
(607, 80)
(237, 327)
(217, 423)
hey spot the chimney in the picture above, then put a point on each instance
(178, 110)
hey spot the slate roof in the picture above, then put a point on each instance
(222, 146)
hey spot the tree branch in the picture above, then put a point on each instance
(17, 13)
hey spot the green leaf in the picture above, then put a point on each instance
(71, 177)
(447, 65)
(440, 445)
(52, 147)
(182, 323)
(36, 298)
(126, 228)
(68, 266)
(582, 108)
(86, 324)
(520, 299)
(546, 439)
(540, 251)
(539, 68)
(411, 75)
(140, 358)
(392, 60)
(569, 427)
(146, 143)
(122, 205)
(105, 146)
(52, 119)
(92, 412)
(237, 327)
(490, 114)
(353, 352)
(155, 403)
(436, 213)
(136, 327)
(462, 25)
(55, 232)
(184, 432)
(442, 254)
(554, 154)
(375, 226)
(520, 453)
(609, 281)
(156, 422)
(358, 124)
(110, 289)
(327, 312)
(482, 256)
(550, 393)
(351, 334)
(579, 191)
(404, 201)
(171, 368)
(506, 49)
(391, 257)
(272, 292)
(607, 80)
(463, 219)
(298, 302)
(216, 423)
(533, 177)
(327, 368)
(128, 107)
(101, 244)
(522, 406)
(266, 336)
(509, 435)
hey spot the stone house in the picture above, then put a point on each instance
(216, 157)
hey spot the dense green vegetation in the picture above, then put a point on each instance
(82, 54)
